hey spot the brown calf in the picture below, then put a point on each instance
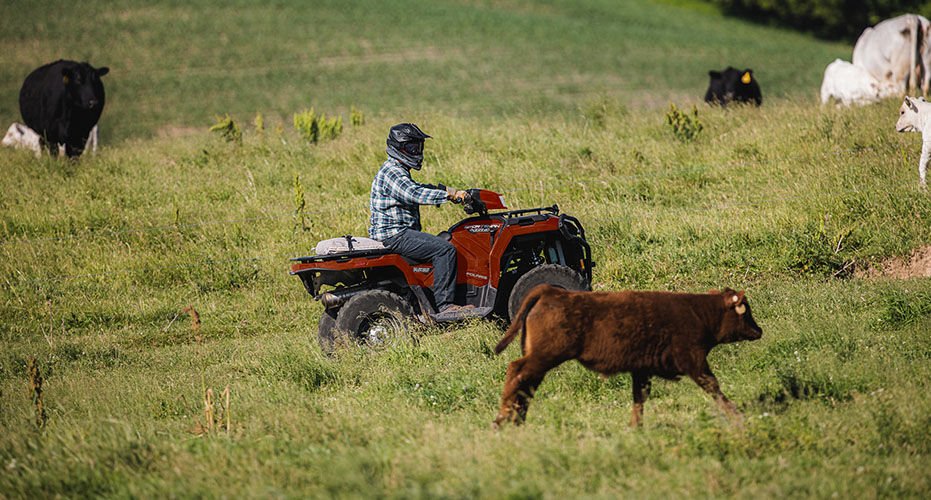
(645, 333)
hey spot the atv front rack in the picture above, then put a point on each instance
(510, 213)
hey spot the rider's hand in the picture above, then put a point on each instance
(455, 195)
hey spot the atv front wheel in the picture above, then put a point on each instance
(549, 274)
(374, 318)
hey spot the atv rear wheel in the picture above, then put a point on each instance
(549, 274)
(326, 331)
(374, 318)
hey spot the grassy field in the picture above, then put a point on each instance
(787, 202)
(176, 64)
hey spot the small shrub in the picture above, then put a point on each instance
(259, 123)
(228, 130)
(300, 204)
(356, 117)
(35, 385)
(818, 249)
(685, 126)
(217, 416)
(316, 128)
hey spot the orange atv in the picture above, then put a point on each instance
(369, 293)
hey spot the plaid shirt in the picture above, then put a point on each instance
(396, 200)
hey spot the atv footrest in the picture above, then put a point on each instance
(478, 312)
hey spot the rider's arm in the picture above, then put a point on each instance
(404, 189)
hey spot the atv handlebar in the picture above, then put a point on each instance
(465, 200)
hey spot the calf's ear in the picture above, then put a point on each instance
(103, 71)
(732, 298)
(714, 74)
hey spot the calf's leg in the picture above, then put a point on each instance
(707, 381)
(523, 377)
(641, 386)
(923, 162)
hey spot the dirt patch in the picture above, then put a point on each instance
(917, 265)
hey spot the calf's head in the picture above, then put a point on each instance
(13, 135)
(737, 323)
(909, 118)
(83, 86)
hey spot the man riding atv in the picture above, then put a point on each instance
(485, 264)
(395, 220)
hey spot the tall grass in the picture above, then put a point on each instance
(98, 256)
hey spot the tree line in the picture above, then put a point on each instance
(833, 19)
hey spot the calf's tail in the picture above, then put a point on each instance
(517, 325)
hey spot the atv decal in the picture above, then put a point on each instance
(483, 228)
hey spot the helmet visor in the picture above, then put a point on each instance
(413, 148)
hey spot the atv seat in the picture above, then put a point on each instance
(348, 244)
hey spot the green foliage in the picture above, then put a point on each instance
(227, 129)
(819, 250)
(315, 128)
(356, 117)
(300, 205)
(828, 18)
(900, 309)
(685, 126)
(259, 123)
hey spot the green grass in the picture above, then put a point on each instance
(98, 257)
(177, 64)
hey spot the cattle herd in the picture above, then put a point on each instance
(648, 334)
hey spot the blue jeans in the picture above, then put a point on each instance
(423, 247)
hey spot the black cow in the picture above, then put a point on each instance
(62, 102)
(732, 85)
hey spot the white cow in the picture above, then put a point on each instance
(848, 84)
(915, 116)
(897, 51)
(21, 136)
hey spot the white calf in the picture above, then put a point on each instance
(848, 84)
(915, 116)
(21, 136)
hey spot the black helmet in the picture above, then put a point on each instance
(405, 144)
